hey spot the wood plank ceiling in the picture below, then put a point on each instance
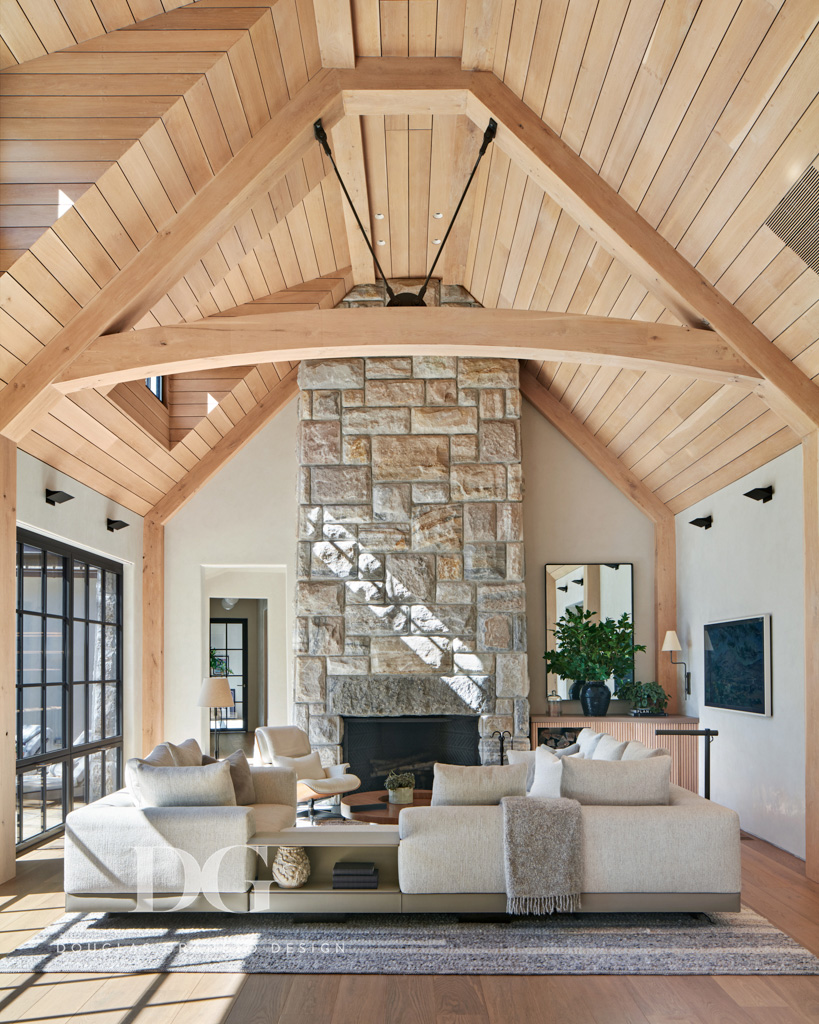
(701, 113)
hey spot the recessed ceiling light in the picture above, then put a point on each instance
(437, 216)
(436, 241)
(380, 242)
(379, 216)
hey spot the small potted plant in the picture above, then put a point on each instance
(646, 698)
(400, 786)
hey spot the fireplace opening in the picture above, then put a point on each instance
(376, 746)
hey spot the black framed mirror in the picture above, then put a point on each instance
(604, 588)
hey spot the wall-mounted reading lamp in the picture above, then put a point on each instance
(760, 493)
(704, 521)
(116, 524)
(57, 497)
(672, 644)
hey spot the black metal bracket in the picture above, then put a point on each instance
(412, 300)
(321, 138)
(709, 735)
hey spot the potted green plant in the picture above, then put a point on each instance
(591, 652)
(646, 698)
(400, 786)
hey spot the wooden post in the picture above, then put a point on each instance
(591, 590)
(669, 676)
(810, 455)
(153, 632)
(8, 666)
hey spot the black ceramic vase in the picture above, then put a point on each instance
(594, 699)
(576, 689)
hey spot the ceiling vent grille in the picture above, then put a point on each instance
(795, 219)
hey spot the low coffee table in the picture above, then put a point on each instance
(361, 806)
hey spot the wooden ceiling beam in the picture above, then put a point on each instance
(312, 334)
(601, 211)
(348, 152)
(170, 253)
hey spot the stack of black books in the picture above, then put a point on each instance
(354, 874)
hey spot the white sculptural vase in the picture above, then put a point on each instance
(291, 867)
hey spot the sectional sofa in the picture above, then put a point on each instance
(681, 854)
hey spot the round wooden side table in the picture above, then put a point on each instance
(374, 806)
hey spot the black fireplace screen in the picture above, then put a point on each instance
(376, 746)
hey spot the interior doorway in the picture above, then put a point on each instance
(238, 650)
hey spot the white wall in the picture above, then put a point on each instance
(236, 538)
(82, 523)
(751, 562)
(573, 514)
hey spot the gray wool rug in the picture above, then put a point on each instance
(740, 943)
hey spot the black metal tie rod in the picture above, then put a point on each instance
(408, 298)
(709, 735)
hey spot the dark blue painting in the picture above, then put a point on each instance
(737, 665)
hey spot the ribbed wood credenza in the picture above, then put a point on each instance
(684, 749)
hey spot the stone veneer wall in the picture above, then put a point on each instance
(410, 593)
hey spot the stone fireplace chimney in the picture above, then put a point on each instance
(410, 593)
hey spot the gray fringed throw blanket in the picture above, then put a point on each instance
(542, 855)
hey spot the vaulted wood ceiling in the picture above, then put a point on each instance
(118, 118)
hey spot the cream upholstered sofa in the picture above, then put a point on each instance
(683, 855)
(118, 847)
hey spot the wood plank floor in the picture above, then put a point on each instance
(774, 884)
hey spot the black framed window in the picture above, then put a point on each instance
(69, 682)
(228, 646)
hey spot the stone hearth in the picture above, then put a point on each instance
(410, 594)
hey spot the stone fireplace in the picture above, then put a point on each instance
(410, 593)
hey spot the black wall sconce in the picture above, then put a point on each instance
(760, 493)
(704, 521)
(565, 589)
(116, 524)
(578, 582)
(57, 497)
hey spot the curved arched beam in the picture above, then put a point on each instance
(329, 334)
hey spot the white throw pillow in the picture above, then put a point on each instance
(308, 766)
(629, 783)
(548, 772)
(637, 751)
(203, 786)
(463, 785)
(609, 749)
(526, 757)
(187, 754)
(587, 740)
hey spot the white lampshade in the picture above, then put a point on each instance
(215, 693)
(671, 642)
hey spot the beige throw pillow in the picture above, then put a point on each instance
(187, 754)
(526, 757)
(587, 740)
(306, 767)
(463, 785)
(637, 751)
(203, 786)
(609, 749)
(548, 772)
(240, 775)
(628, 783)
(160, 756)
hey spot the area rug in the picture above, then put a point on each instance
(737, 943)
